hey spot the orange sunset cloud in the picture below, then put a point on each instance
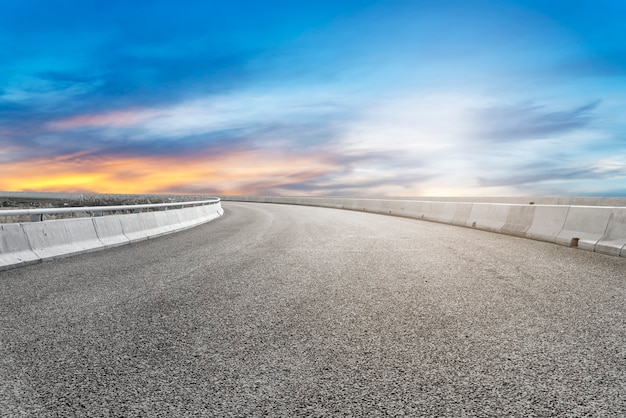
(243, 172)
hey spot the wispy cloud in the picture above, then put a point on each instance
(529, 122)
(112, 119)
(235, 172)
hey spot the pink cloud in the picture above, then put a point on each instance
(6, 132)
(111, 119)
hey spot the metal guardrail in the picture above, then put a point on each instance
(37, 214)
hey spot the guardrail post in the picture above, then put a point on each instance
(36, 218)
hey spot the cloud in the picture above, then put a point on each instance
(528, 175)
(330, 185)
(293, 121)
(529, 122)
(33, 93)
(228, 173)
(121, 84)
(313, 144)
(111, 119)
(558, 169)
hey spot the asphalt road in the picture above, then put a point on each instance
(290, 311)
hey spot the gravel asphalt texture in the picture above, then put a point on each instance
(287, 311)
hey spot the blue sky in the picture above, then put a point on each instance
(401, 98)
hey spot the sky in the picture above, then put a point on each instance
(319, 98)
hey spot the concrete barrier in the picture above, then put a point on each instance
(519, 220)
(15, 249)
(186, 217)
(414, 210)
(613, 241)
(209, 214)
(437, 211)
(58, 237)
(139, 226)
(396, 207)
(165, 222)
(489, 217)
(431, 211)
(191, 216)
(547, 222)
(584, 227)
(109, 230)
(462, 214)
(29, 243)
(552, 219)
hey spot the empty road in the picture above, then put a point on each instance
(276, 310)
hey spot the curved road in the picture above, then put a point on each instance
(288, 311)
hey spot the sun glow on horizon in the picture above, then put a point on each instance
(239, 173)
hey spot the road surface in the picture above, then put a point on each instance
(276, 310)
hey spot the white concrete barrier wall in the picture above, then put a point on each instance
(614, 239)
(557, 220)
(187, 216)
(164, 221)
(547, 222)
(413, 210)
(396, 207)
(488, 216)
(518, 220)
(109, 230)
(28, 243)
(58, 237)
(14, 247)
(138, 226)
(462, 214)
(584, 226)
